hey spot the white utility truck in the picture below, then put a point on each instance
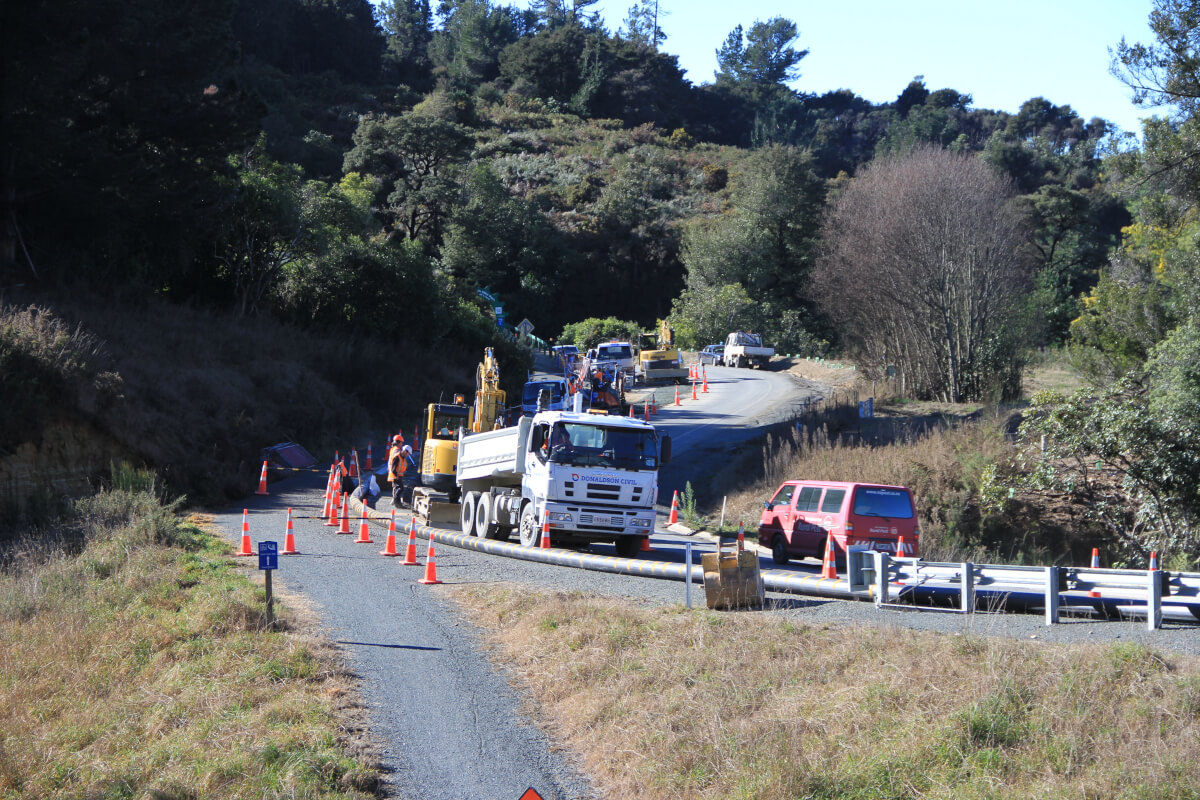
(744, 349)
(595, 475)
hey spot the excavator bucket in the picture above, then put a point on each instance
(732, 578)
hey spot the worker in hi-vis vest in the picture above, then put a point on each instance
(397, 466)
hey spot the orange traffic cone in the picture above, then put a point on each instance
(677, 394)
(262, 481)
(328, 494)
(333, 507)
(430, 567)
(671, 520)
(389, 547)
(631, 410)
(1153, 560)
(416, 445)
(645, 412)
(901, 547)
(694, 391)
(741, 536)
(289, 539)
(1095, 558)
(353, 463)
(345, 526)
(545, 530)
(370, 466)
(829, 566)
(410, 555)
(246, 549)
(364, 533)
(646, 545)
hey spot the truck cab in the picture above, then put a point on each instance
(559, 394)
(595, 478)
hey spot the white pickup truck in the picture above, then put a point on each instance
(596, 477)
(745, 349)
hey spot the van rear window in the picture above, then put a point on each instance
(832, 503)
(877, 502)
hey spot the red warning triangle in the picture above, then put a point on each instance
(531, 794)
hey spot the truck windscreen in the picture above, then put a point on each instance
(595, 446)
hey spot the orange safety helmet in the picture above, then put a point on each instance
(397, 439)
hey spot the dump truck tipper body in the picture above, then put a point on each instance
(595, 476)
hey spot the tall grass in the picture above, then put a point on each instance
(955, 469)
(135, 662)
(668, 703)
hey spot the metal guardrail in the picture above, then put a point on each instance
(912, 584)
(963, 587)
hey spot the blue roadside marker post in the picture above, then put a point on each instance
(268, 560)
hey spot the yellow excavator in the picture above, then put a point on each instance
(659, 361)
(443, 424)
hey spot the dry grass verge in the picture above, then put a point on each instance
(667, 703)
(135, 663)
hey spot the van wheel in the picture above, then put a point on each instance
(779, 552)
(529, 533)
(466, 514)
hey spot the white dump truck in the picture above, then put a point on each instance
(744, 349)
(595, 475)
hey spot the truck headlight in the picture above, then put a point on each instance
(641, 523)
(559, 516)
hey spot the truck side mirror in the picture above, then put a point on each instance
(766, 504)
(665, 451)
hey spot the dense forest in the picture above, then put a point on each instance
(357, 169)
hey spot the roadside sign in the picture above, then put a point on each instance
(268, 555)
(525, 327)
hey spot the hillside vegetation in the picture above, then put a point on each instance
(328, 198)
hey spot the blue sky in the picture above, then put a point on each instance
(1000, 53)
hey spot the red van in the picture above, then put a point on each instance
(796, 521)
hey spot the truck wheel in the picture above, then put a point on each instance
(628, 546)
(466, 514)
(530, 532)
(483, 516)
(779, 551)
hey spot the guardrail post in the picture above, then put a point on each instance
(687, 581)
(967, 588)
(1051, 595)
(1154, 601)
(882, 564)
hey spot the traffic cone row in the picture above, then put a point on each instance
(671, 520)
(829, 565)
(262, 481)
